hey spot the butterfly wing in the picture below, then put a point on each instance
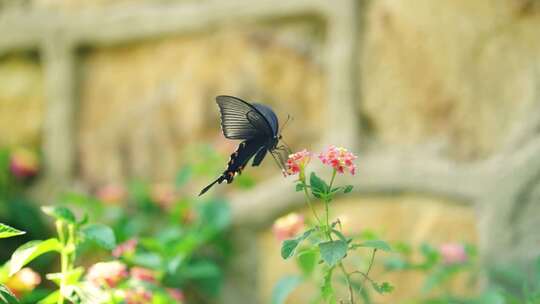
(241, 120)
(259, 157)
(270, 117)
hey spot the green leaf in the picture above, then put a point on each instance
(396, 264)
(284, 287)
(348, 189)
(7, 231)
(385, 287)
(52, 298)
(318, 186)
(215, 215)
(327, 291)
(71, 276)
(6, 296)
(100, 234)
(333, 251)
(60, 213)
(288, 246)
(307, 261)
(299, 187)
(376, 244)
(29, 251)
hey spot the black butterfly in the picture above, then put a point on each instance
(255, 124)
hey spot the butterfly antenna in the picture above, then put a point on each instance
(289, 117)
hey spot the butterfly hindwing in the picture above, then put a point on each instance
(241, 120)
(259, 157)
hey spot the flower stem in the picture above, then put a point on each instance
(63, 259)
(308, 201)
(349, 284)
(366, 275)
(327, 200)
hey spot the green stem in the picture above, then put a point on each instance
(63, 259)
(349, 284)
(71, 243)
(308, 201)
(327, 200)
(366, 275)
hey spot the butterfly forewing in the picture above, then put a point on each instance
(241, 120)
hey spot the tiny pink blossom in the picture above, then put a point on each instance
(138, 295)
(111, 194)
(126, 247)
(143, 274)
(339, 158)
(164, 195)
(107, 273)
(23, 281)
(23, 163)
(297, 162)
(176, 294)
(453, 253)
(288, 226)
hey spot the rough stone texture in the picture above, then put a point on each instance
(141, 104)
(460, 72)
(410, 218)
(21, 101)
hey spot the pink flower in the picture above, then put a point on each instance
(138, 295)
(23, 163)
(339, 158)
(297, 162)
(288, 226)
(23, 281)
(163, 194)
(107, 273)
(176, 294)
(111, 194)
(143, 274)
(453, 253)
(126, 247)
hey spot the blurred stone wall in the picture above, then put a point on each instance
(445, 104)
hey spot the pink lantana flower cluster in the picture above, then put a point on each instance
(288, 226)
(24, 163)
(453, 253)
(297, 162)
(339, 158)
(107, 274)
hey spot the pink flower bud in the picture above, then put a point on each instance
(163, 194)
(23, 281)
(143, 274)
(288, 226)
(453, 253)
(127, 247)
(176, 294)
(23, 163)
(111, 194)
(107, 273)
(138, 295)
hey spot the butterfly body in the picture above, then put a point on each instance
(256, 125)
